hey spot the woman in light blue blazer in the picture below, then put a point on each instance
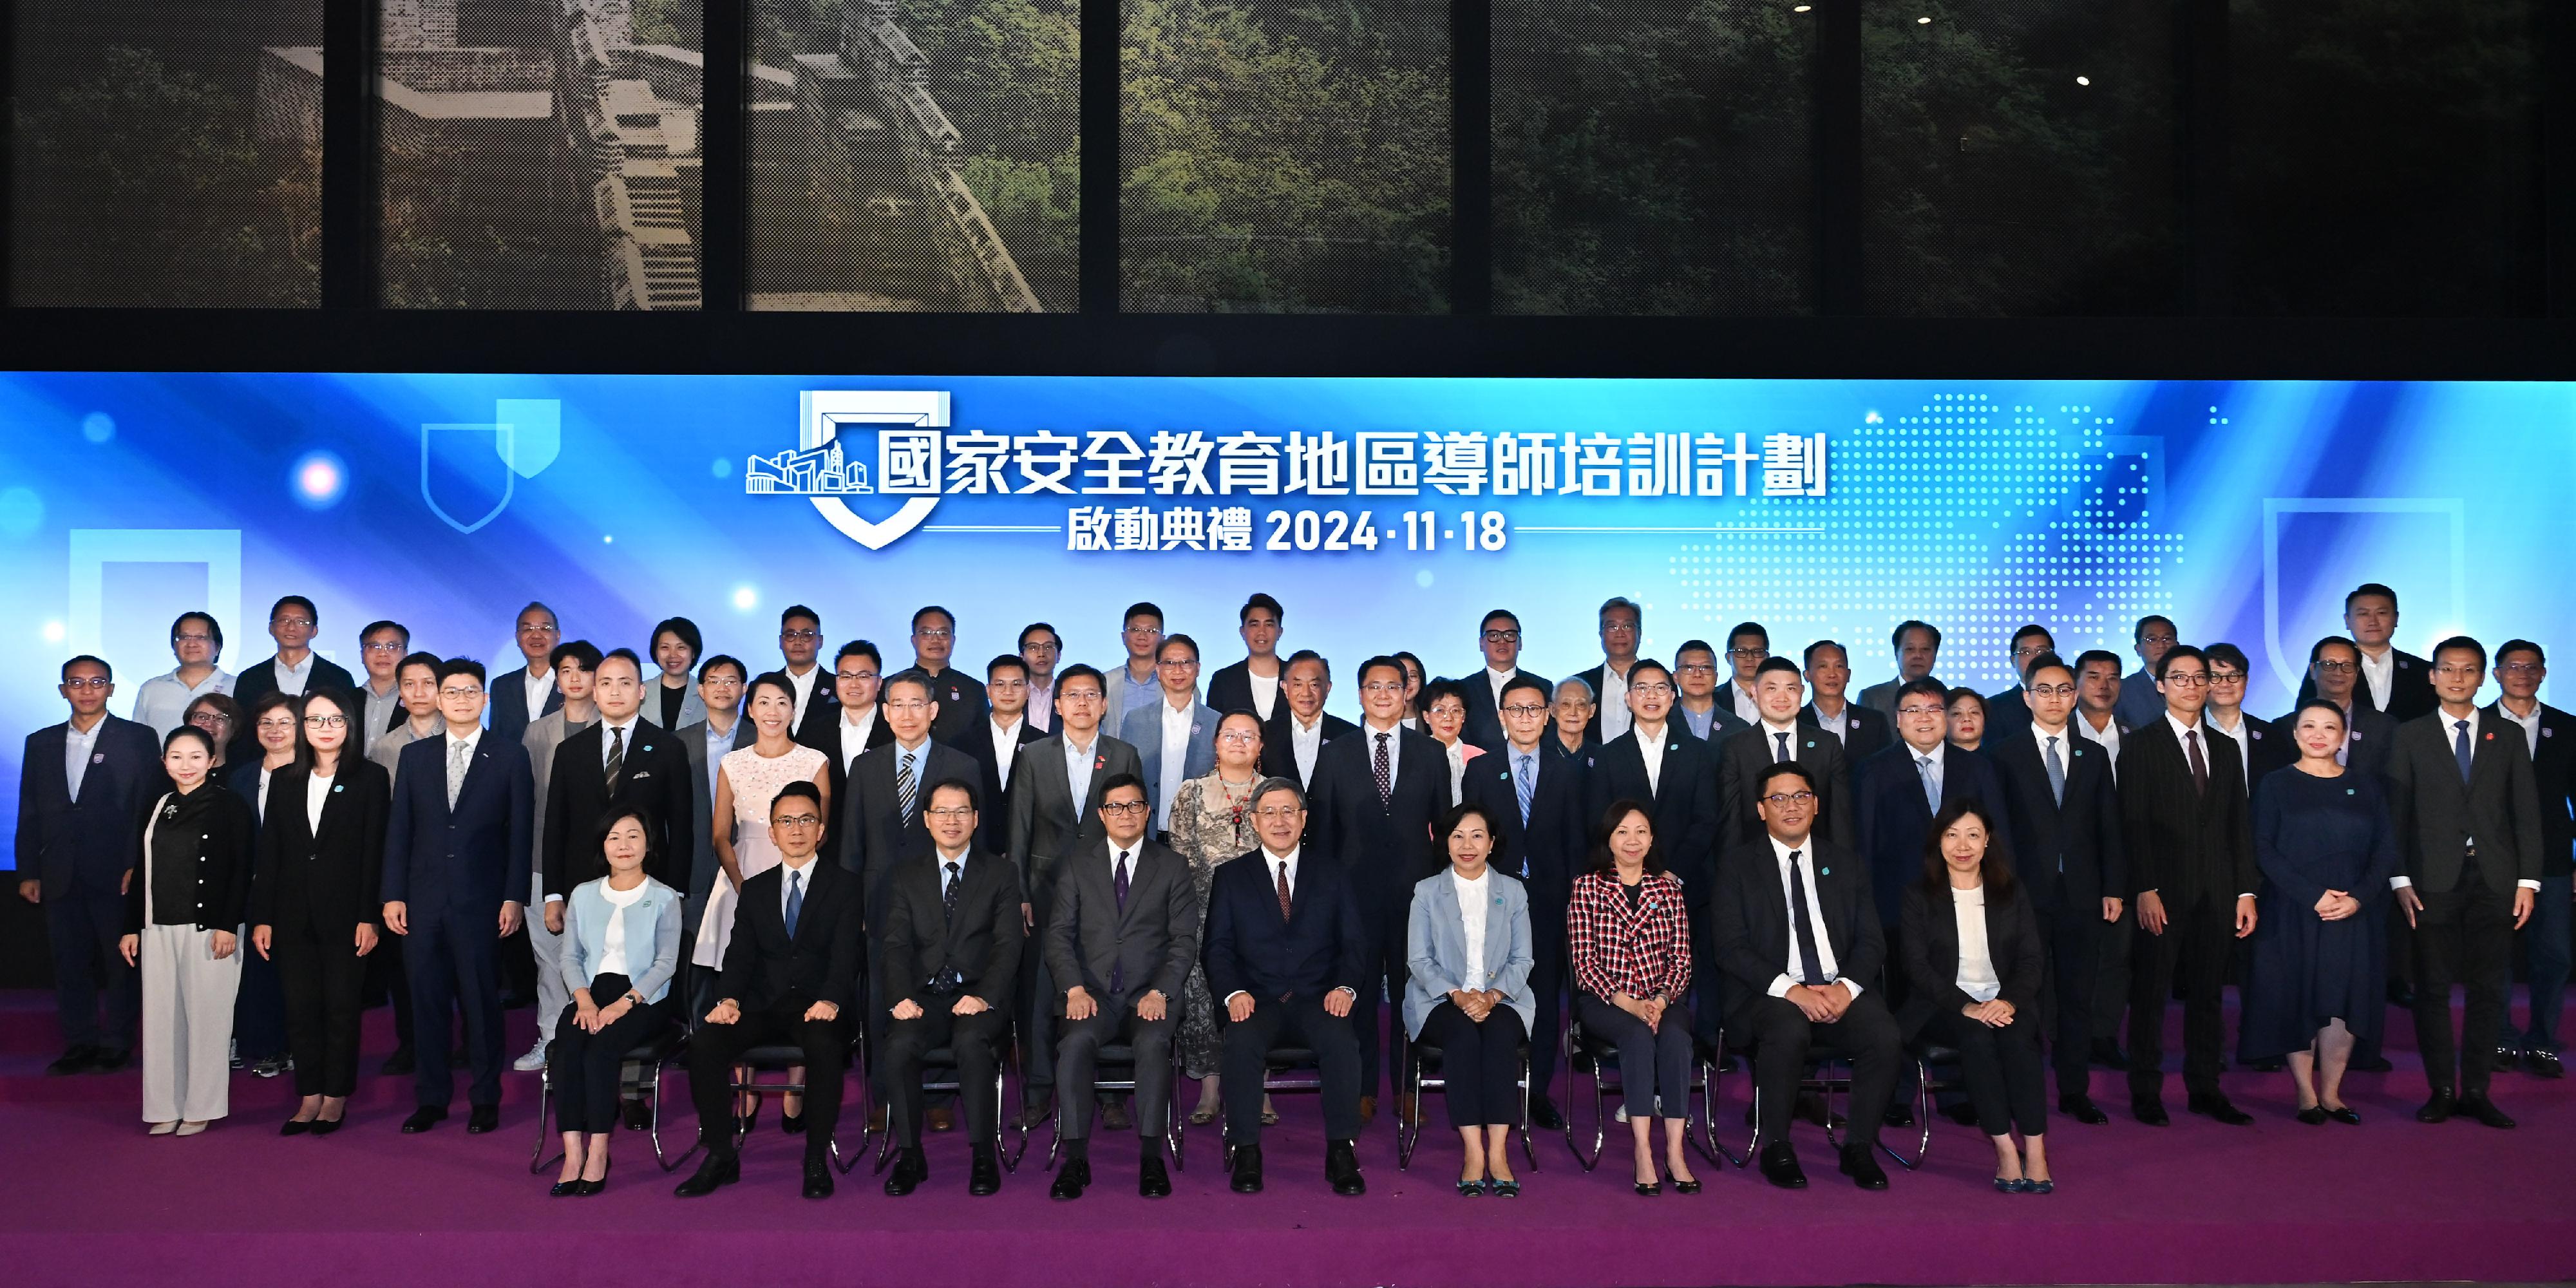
(1469, 995)
(621, 946)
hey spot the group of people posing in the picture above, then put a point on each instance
(1665, 866)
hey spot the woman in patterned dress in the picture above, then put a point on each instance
(1211, 823)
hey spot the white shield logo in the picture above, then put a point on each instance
(820, 415)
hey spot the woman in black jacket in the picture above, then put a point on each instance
(184, 892)
(314, 907)
(1972, 961)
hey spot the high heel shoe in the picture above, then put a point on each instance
(1503, 1189)
(2345, 1115)
(587, 1188)
(561, 1189)
(1649, 1189)
(2313, 1115)
(2015, 1185)
(1681, 1186)
(2039, 1187)
(324, 1126)
(1471, 1189)
(295, 1127)
(745, 1122)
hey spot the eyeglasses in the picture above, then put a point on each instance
(2337, 668)
(304, 622)
(380, 646)
(951, 811)
(936, 633)
(1524, 709)
(2520, 668)
(326, 722)
(209, 720)
(2033, 650)
(1783, 800)
(1180, 663)
(2053, 690)
(1077, 695)
(1918, 709)
(2227, 677)
(907, 704)
(1698, 668)
(1042, 646)
(87, 682)
(1144, 632)
(854, 675)
(192, 639)
(796, 820)
(1618, 628)
(1652, 688)
(1124, 807)
(1279, 811)
(282, 725)
(1502, 637)
(2186, 679)
(2157, 639)
(1244, 736)
(460, 691)
(1749, 654)
(800, 635)
(722, 682)
(1005, 686)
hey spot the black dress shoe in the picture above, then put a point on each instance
(109, 1059)
(1070, 1178)
(1152, 1181)
(1810, 1107)
(1342, 1168)
(2476, 1105)
(911, 1168)
(1897, 1114)
(2372, 1064)
(638, 1114)
(1860, 1162)
(1247, 1170)
(1962, 1113)
(295, 1127)
(1543, 1115)
(712, 1172)
(984, 1174)
(2083, 1110)
(398, 1065)
(2150, 1112)
(2543, 1064)
(2219, 1107)
(424, 1118)
(2507, 1058)
(586, 1188)
(482, 1118)
(1037, 1110)
(792, 1124)
(2345, 1115)
(2107, 1054)
(1780, 1166)
(818, 1177)
(325, 1126)
(2438, 1108)
(1113, 1115)
(2313, 1115)
(74, 1059)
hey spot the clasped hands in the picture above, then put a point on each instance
(1821, 1005)
(1476, 1004)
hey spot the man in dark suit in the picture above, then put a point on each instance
(2334, 674)
(1535, 801)
(1054, 812)
(2392, 681)
(2264, 748)
(456, 849)
(858, 726)
(1499, 637)
(2551, 734)
(995, 741)
(1658, 761)
(882, 806)
(1622, 625)
(1894, 793)
(1287, 960)
(2184, 829)
(1799, 950)
(1123, 935)
(800, 648)
(1917, 645)
(2467, 815)
(948, 941)
(2139, 702)
(512, 706)
(1294, 739)
(721, 680)
(790, 974)
(960, 696)
(621, 760)
(1781, 735)
(2065, 819)
(1863, 730)
(1377, 792)
(2008, 711)
(82, 785)
(1697, 704)
(294, 668)
(1252, 684)
(2098, 721)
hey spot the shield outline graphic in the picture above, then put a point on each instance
(2274, 507)
(820, 415)
(502, 443)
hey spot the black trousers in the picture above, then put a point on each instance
(1298, 1021)
(584, 1066)
(1652, 1062)
(453, 962)
(2463, 936)
(1547, 989)
(83, 927)
(1385, 968)
(1480, 1064)
(2074, 964)
(385, 971)
(1784, 1039)
(2113, 946)
(259, 1009)
(2194, 951)
(976, 1041)
(1077, 1058)
(714, 1048)
(1037, 1002)
(2002, 1069)
(320, 980)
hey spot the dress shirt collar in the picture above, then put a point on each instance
(2065, 736)
(1270, 867)
(471, 738)
(2179, 727)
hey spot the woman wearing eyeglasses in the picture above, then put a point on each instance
(316, 907)
(277, 726)
(1444, 717)
(621, 947)
(1212, 823)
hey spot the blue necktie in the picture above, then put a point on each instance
(795, 900)
(2460, 747)
(1931, 781)
(1783, 740)
(2056, 773)
(1524, 782)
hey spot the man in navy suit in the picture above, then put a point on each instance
(995, 741)
(1535, 803)
(1894, 795)
(1499, 637)
(2392, 681)
(456, 850)
(81, 785)
(2008, 711)
(2520, 666)
(521, 695)
(294, 668)
(1288, 960)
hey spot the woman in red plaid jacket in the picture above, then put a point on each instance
(1628, 948)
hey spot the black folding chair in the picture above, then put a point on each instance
(1115, 1056)
(1590, 1053)
(639, 1071)
(1829, 1076)
(1010, 1139)
(1422, 1072)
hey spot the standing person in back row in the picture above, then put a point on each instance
(295, 668)
(2392, 681)
(520, 696)
(2520, 667)
(961, 698)
(1917, 646)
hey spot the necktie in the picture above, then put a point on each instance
(616, 759)
(1526, 783)
(948, 895)
(1811, 966)
(1118, 888)
(1931, 781)
(457, 751)
(903, 789)
(2460, 747)
(1286, 910)
(1783, 754)
(2199, 766)
(2056, 773)
(1385, 786)
(795, 900)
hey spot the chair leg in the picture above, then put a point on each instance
(538, 1158)
(1704, 1139)
(1529, 1152)
(1406, 1137)
(1600, 1125)
(1922, 1119)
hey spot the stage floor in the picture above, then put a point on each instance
(87, 1199)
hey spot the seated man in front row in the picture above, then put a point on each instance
(1799, 948)
(948, 956)
(1122, 935)
(792, 965)
(1284, 953)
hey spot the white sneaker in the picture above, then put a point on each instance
(1621, 1116)
(534, 1060)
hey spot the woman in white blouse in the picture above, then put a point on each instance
(1468, 994)
(1971, 949)
(621, 946)
(1444, 717)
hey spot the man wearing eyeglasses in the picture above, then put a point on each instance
(294, 668)
(1176, 737)
(1695, 672)
(381, 648)
(1535, 800)
(1499, 637)
(858, 729)
(1622, 624)
(961, 698)
(1748, 646)
(1660, 762)
(2265, 749)
(2008, 711)
(521, 696)
(800, 646)
(1139, 682)
(80, 785)
(197, 644)
(2551, 733)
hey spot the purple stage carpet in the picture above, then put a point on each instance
(86, 1198)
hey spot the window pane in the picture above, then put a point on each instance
(2019, 158)
(1284, 157)
(156, 161)
(539, 155)
(915, 158)
(2387, 157)
(1653, 156)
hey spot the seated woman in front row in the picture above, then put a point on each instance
(621, 946)
(1971, 950)
(1468, 994)
(1628, 953)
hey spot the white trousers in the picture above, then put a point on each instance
(552, 996)
(187, 1024)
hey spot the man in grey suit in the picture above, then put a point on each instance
(2467, 815)
(1055, 807)
(1176, 737)
(574, 663)
(1123, 933)
(1917, 646)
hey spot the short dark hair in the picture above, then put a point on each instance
(171, 739)
(794, 611)
(860, 648)
(1992, 869)
(411, 660)
(1964, 692)
(1180, 638)
(1696, 646)
(912, 675)
(684, 628)
(1648, 664)
(774, 679)
(2230, 654)
(1382, 660)
(300, 602)
(2092, 655)
(92, 659)
(2139, 631)
(1922, 686)
(2033, 628)
(1259, 600)
(1781, 664)
(1524, 680)
(927, 609)
(2043, 662)
(2461, 642)
(456, 666)
(952, 783)
(581, 651)
(1742, 629)
(1033, 627)
(1896, 638)
(1808, 655)
(1601, 863)
(2521, 646)
(2291, 724)
(2179, 652)
(592, 864)
(1451, 817)
(1005, 662)
(2318, 649)
(1081, 671)
(2370, 588)
(801, 788)
(625, 653)
(1123, 779)
(1142, 608)
(1438, 689)
(723, 659)
(1762, 785)
(369, 629)
(214, 629)
(221, 704)
(1488, 620)
(1307, 655)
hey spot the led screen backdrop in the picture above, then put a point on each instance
(1384, 513)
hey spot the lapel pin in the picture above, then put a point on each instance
(2347, 791)
(2547, 732)
(98, 758)
(2490, 737)
(1824, 872)
(337, 788)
